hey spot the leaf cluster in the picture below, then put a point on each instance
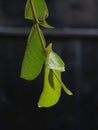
(38, 55)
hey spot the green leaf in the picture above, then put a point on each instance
(40, 8)
(54, 62)
(50, 95)
(33, 57)
(45, 24)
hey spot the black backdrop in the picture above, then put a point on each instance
(75, 39)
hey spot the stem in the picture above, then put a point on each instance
(62, 84)
(37, 26)
(43, 45)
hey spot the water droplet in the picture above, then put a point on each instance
(39, 106)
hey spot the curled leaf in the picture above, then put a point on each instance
(54, 62)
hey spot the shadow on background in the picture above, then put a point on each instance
(75, 39)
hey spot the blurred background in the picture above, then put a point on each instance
(75, 39)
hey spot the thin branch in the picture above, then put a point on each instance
(37, 26)
(43, 45)
(62, 84)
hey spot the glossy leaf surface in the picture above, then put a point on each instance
(40, 8)
(33, 57)
(50, 94)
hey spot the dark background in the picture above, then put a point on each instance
(75, 39)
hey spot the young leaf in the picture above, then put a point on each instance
(53, 61)
(45, 24)
(40, 8)
(33, 57)
(50, 95)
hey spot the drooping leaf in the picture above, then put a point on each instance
(53, 61)
(45, 24)
(40, 8)
(50, 95)
(33, 57)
